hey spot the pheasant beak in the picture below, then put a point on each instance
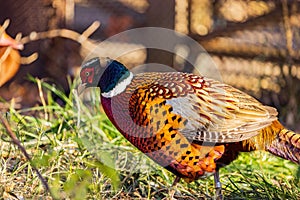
(81, 88)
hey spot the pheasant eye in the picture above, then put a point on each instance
(87, 73)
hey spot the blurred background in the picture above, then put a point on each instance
(255, 44)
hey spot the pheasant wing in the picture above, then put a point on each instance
(215, 112)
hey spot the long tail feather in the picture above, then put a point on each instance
(286, 145)
(277, 140)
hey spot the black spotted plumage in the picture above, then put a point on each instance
(189, 124)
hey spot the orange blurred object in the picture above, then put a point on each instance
(9, 57)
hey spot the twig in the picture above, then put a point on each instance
(66, 33)
(4, 26)
(5, 54)
(17, 142)
(82, 39)
(29, 59)
(24, 60)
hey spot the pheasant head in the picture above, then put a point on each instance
(109, 75)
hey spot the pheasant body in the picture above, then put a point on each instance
(151, 125)
(188, 124)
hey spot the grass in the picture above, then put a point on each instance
(82, 156)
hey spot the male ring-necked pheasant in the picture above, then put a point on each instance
(189, 124)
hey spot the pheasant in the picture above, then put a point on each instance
(189, 124)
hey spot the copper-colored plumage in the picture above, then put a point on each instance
(174, 133)
(189, 124)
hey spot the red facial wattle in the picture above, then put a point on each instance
(87, 75)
